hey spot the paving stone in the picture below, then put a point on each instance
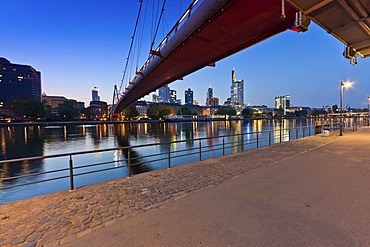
(18, 240)
(34, 236)
(32, 244)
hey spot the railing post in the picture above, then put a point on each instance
(129, 162)
(289, 135)
(242, 142)
(303, 132)
(169, 155)
(296, 134)
(280, 134)
(223, 146)
(309, 131)
(269, 138)
(71, 182)
(257, 139)
(200, 150)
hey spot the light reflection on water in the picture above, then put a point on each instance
(19, 142)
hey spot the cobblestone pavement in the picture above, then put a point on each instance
(58, 218)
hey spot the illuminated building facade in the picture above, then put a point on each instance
(18, 81)
(173, 97)
(209, 94)
(283, 102)
(213, 101)
(189, 97)
(164, 94)
(237, 92)
(95, 94)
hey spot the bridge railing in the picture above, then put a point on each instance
(165, 155)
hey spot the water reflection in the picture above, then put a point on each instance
(134, 159)
(18, 142)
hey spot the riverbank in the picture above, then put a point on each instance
(25, 124)
(61, 217)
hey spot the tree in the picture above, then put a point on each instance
(31, 109)
(248, 112)
(67, 110)
(130, 112)
(335, 108)
(184, 111)
(220, 111)
(157, 111)
(226, 111)
(231, 111)
(317, 112)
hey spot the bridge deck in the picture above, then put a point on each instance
(237, 25)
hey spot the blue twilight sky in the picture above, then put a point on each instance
(79, 44)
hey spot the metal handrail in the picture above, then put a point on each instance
(257, 139)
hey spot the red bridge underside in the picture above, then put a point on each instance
(241, 24)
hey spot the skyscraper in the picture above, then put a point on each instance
(237, 91)
(164, 94)
(95, 94)
(173, 96)
(189, 97)
(209, 94)
(18, 81)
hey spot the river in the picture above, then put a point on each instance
(20, 142)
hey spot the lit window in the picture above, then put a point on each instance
(1, 75)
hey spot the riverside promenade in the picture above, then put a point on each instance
(308, 192)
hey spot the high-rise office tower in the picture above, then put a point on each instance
(237, 91)
(189, 97)
(18, 81)
(95, 94)
(209, 94)
(173, 96)
(164, 94)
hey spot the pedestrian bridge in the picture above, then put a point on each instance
(211, 30)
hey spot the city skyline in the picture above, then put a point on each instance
(74, 48)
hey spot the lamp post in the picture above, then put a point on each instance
(368, 110)
(342, 85)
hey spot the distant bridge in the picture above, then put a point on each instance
(211, 30)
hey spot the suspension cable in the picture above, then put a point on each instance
(141, 35)
(159, 21)
(132, 42)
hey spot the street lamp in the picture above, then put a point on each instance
(368, 110)
(342, 85)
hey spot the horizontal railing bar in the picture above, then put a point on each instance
(35, 182)
(183, 155)
(101, 170)
(96, 164)
(210, 150)
(34, 174)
